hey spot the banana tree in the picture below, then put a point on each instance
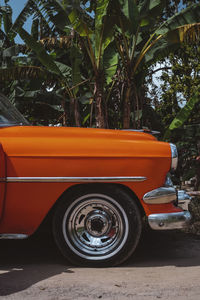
(97, 40)
(132, 27)
(144, 40)
(59, 21)
(41, 59)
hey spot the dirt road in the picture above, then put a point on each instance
(165, 266)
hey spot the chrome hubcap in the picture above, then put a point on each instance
(98, 223)
(95, 226)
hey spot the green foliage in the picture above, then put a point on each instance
(179, 107)
(110, 61)
(43, 57)
(107, 54)
(183, 114)
(186, 140)
(24, 15)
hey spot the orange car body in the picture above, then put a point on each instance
(38, 164)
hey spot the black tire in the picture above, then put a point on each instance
(97, 225)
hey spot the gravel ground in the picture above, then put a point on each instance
(166, 265)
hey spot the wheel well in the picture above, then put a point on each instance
(47, 221)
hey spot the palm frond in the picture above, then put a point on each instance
(14, 50)
(54, 13)
(189, 15)
(183, 114)
(40, 51)
(27, 11)
(7, 18)
(59, 42)
(3, 36)
(21, 73)
(45, 26)
(189, 33)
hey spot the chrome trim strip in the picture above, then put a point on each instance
(169, 221)
(77, 179)
(160, 195)
(13, 236)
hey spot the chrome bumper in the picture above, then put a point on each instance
(169, 221)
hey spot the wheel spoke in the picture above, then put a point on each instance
(80, 227)
(94, 242)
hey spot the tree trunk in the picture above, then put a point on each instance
(127, 108)
(99, 104)
(64, 116)
(74, 113)
(77, 113)
(197, 184)
(139, 97)
(131, 95)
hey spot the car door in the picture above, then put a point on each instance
(2, 179)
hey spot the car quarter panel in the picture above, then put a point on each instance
(38, 152)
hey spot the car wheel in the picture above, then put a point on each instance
(97, 226)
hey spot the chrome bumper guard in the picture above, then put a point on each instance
(169, 221)
(160, 195)
(165, 221)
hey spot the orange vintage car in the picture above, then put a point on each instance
(97, 186)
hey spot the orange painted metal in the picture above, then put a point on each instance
(75, 152)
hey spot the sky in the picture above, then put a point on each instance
(17, 6)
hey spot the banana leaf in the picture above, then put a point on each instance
(183, 115)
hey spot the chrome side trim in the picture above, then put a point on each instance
(76, 179)
(169, 221)
(13, 236)
(160, 195)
